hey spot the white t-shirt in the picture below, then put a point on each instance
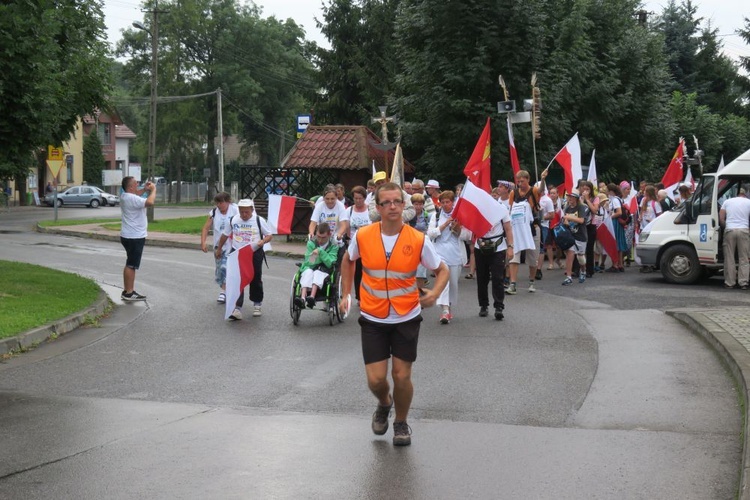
(545, 207)
(520, 218)
(134, 220)
(450, 248)
(357, 220)
(498, 229)
(738, 212)
(429, 259)
(331, 216)
(220, 221)
(246, 232)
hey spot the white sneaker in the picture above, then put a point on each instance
(257, 312)
(532, 288)
(222, 298)
(236, 314)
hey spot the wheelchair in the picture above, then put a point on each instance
(326, 299)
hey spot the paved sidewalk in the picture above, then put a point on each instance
(727, 330)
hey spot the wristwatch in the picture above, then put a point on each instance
(510, 245)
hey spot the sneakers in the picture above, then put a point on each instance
(538, 275)
(483, 312)
(567, 281)
(132, 296)
(380, 419)
(445, 318)
(310, 302)
(222, 298)
(511, 289)
(299, 302)
(401, 434)
(581, 277)
(236, 314)
(499, 314)
(532, 288)
(257, 312)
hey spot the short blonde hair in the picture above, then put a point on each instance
(417, 198)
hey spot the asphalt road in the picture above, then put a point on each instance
(587, 391)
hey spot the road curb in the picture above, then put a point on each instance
(152, 242)
(737, 359)
(60, 327)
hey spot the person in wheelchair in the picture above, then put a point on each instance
(320, 257)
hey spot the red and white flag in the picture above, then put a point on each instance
(280, 213)
(569, 159)
(476, 209)
(591, 177)
(721, 165)
(674, 175)
(240, 273)
(478, 167)
(605, 234)
(513, 153)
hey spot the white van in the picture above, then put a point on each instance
(686, 243)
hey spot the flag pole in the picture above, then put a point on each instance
(533, 145)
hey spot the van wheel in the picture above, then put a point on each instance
(679, 264)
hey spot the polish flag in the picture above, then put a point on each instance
(513, 153)
(569, 159)
(477, 169)
(605, 234)
(240, 273)
(674, 174)
(280, 212)
(592, 171)
(476, 209)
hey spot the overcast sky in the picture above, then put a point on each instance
(727, 15)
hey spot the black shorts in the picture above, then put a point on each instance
(381, 340)
(134, 251)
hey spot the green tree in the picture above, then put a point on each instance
(93, 159)
(54, 69)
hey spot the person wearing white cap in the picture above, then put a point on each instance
(433, 190)
(244, 230)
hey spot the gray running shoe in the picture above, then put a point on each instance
(132, 296)
(401, 434)
(380, 419)
(511, 289)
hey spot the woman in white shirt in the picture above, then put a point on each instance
(332, 212)
(448, 236)
(359, 216)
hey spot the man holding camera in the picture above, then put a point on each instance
(134, 231)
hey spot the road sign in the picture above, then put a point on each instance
(55, 154)
(303, 121)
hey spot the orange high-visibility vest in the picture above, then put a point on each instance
(389, 282)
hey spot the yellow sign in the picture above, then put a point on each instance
(55, 166)
(55, 154)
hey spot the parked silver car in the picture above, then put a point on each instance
(108, 200)
(76, 195)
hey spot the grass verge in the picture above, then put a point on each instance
(75, 222)
(185, 225)
(32, 296)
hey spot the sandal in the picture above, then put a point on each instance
(469, 276)
(550, 268)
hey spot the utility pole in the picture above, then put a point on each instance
(221, 139)
(154, 32)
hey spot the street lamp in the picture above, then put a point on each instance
(154, 33)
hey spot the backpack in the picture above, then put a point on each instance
(534, 206)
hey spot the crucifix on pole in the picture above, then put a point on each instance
(383, 119)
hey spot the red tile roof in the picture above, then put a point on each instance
(342, 147)
(123, 132)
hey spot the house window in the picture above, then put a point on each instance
(105, 136)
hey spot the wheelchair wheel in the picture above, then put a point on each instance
(294, 309)
(332, 308)
(340, 317)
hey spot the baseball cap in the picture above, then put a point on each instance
(379, 176)
(433, 184)
(245, 202)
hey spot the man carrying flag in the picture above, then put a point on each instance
(248, 235)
